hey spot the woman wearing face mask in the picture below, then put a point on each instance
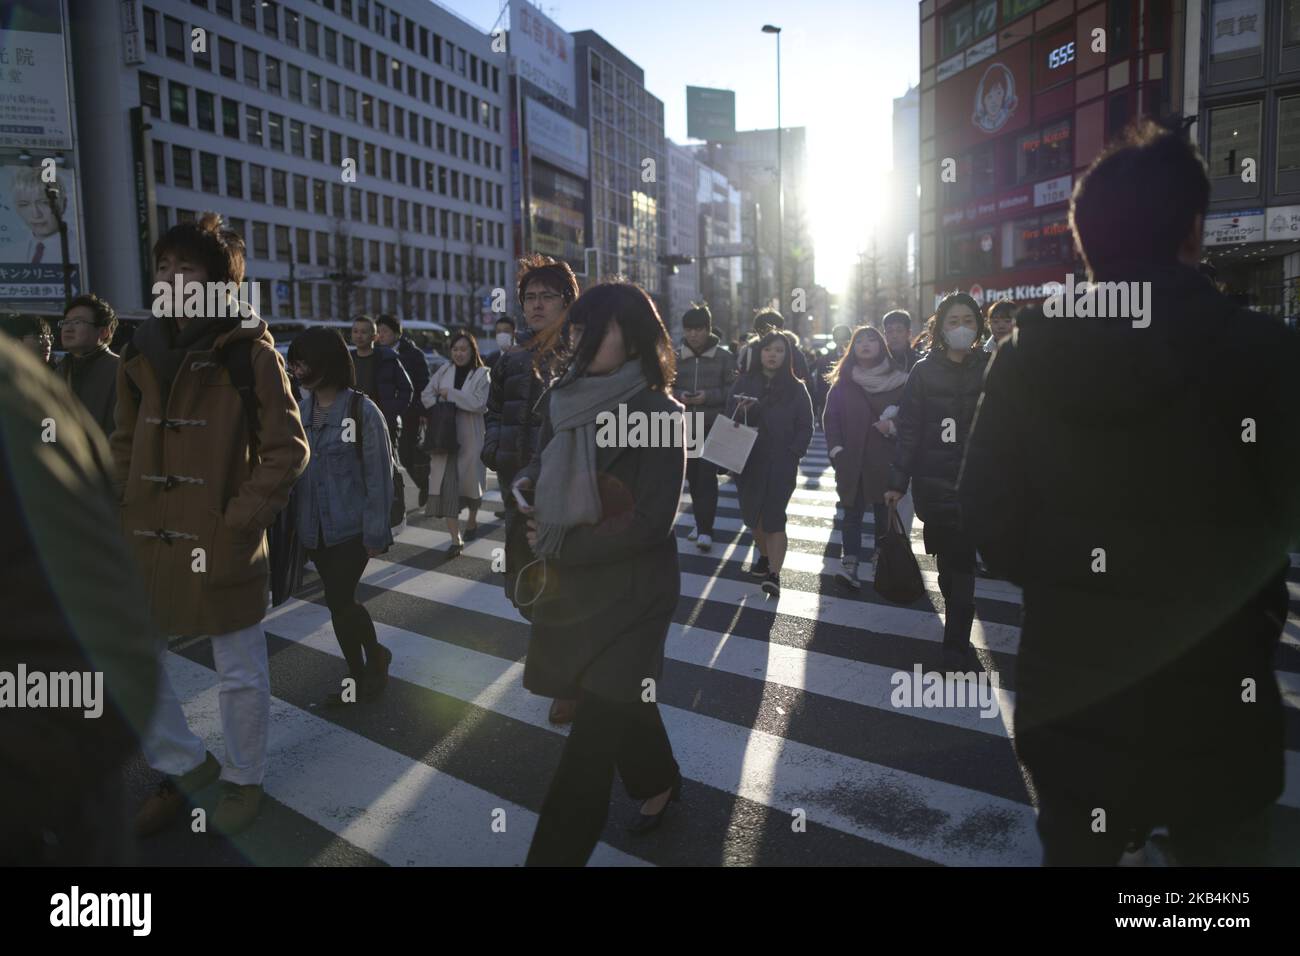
(933, 423)
(772, 399)
(601, 524)
(456, 480)
(343, 499)
(865, 390)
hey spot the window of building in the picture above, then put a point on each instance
(174, 37)
(275, 131)
(312, 29)
(159, 161)
(381, 67)
(208, 173)
(316, 143)
(1288, 133)
(252, 73)
(230, 117)
(313, 90)
(1017, 8)
(303, 242)
(365, 61)
(331, 45)
(383, 116)
(248, 13)
(271, 18)
(295, 83)
(261, 247)
(257, 183)
(273, 75)
(395, 26)
(226, 58)
(182, 167)
(279, 187)
(1043, 153)
(252, 125)
(1234, 136)
(178, 98)
(297, 143)
(234, 178)
(372, 209)
(205, 111)
(291, 24)
(283, 246)
(350, 103)
(150, 30)
(318, 197)
(226, 9)
(1057, 242)
(203, 58)
(151, 95)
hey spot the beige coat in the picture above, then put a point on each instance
(209, 575)
(471, 403)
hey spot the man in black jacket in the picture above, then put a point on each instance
(90, 366)
(380, 373)
(389, 335)
(1139, 476)
(898, 336)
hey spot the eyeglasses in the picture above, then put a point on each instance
(71, 323)
(546, 298)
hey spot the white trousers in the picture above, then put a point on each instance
(245, 699)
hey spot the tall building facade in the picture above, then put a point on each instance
(1017, 98)
(904, 216)
(718, 204)
(360, 148)
(629, 167)
(1246, 57)
(682, 233)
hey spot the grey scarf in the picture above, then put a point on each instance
(567, 494)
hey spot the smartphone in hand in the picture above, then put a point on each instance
(523, 498)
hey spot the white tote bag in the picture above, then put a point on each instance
(729, 444)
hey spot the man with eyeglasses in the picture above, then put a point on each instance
(32, 330)
(90, 366)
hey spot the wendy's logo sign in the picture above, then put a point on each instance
(995, 99)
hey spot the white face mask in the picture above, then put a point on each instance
(503, 340)
(960, 338)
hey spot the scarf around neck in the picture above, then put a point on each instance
(881, 378)
(567, 494)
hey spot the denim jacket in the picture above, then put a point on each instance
(332, 502)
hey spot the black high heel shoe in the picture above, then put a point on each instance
(646, 822)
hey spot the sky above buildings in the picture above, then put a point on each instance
(842, 64)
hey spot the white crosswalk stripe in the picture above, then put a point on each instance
(790, 706)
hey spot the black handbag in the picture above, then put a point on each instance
(897, 573)
(286, 555)
(440, 430)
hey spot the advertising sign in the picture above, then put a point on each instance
(1229, 228)
(711, 114)
(556, 140)
(31, 255)
(979, 210)
(540, 52)
(1283, 223)
(34, 111)
(1053, 191)
(1237, 26)
(986, 100)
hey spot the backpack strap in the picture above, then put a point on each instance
(354, 409)
(237, 357)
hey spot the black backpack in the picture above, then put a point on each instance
(284, 547)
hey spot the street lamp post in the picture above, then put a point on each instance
(780, 182)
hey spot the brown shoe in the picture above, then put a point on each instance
(166, 803)
(237, 808)
(562, 711)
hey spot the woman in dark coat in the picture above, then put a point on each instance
(866, 386)
(601, 525)
(933, 423)
(773, 400)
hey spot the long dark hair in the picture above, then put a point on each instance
(938, 343)
(475, 359)
(849, 359)
(644, 335)
(785, 376)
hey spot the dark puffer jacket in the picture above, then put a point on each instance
(417, 370)
(711, 372)
(513, 420)
(938, 389)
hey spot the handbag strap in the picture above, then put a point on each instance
(893, 522)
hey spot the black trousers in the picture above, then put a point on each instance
(702, 479)
(340, 567)
(605, 736)
(1065, 825)
(957, 585)
(413, 460)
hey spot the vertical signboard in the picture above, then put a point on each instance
(145, 208)
(34, 110)
(541, 52)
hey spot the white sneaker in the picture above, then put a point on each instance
(695, 533)
(848, 575)
(705, 543)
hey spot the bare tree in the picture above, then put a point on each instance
(407, 279)
(346, 273)
(476, 284)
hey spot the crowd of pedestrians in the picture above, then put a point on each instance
(1070, 457)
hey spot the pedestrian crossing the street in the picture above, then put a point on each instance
(779, 710)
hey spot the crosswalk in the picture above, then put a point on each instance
(779, 711)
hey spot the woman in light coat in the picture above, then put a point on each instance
(456, 485)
